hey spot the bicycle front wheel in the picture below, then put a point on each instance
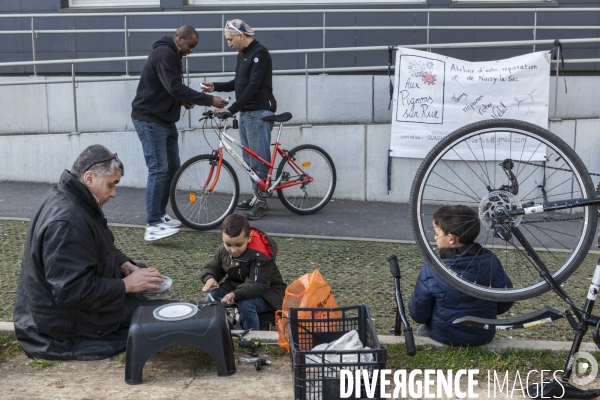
(195, 201)
(308, 175)
(498, 165)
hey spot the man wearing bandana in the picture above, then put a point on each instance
(253, 85)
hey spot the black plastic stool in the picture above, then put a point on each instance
(207, 331)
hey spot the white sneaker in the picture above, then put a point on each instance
(167, 220)
(159, 231)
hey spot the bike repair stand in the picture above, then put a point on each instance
(564, 388)
(251, 346)
(554, 388)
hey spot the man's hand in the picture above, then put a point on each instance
(210, 283)
(188, 105)
(207, 87)
(142, 279)
(228, 299)
(220, 111)
(219, 102)
(127, 268)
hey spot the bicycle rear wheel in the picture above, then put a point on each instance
(302, 164)
(466, 167)
(191, 198)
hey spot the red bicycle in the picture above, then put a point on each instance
(205, 189)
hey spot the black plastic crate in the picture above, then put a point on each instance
(315, 374)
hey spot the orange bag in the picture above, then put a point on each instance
(311, 290)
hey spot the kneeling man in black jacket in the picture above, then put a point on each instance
(74, 291)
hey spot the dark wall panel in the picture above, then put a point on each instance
(12, 43)
(58, 46)
(13, 57)
(10, 6)
(54, 68)
(39, 6)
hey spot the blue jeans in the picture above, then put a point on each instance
(161, 152)
(255, 134)
(249, 308)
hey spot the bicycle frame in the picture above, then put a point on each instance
(267, 185)
(506, 230)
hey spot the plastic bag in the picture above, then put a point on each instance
(311, 290)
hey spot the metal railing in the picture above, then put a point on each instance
(126, 31)
(188, 75)
(74, 80)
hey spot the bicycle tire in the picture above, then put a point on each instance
(444, 177)
(305, 199)
(196, 208)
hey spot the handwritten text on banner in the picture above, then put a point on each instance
(434, 95)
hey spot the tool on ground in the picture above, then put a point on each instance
(258, 362)
(248, 344)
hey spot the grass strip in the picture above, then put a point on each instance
(358, 272)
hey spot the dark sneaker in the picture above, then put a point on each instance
(245, 204)
(259, 210)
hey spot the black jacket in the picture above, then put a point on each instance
(437, 304)
(161, 90)
(71, 301)
(250, 275)
(253, 82)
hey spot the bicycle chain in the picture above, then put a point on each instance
(553, 220)
(556, 168)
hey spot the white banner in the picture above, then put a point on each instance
(434, 95)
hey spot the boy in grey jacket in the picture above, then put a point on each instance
(246, 262)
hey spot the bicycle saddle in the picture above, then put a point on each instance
(286, 116)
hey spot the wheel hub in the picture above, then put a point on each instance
(493, 207)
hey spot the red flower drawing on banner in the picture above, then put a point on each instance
(429, 78)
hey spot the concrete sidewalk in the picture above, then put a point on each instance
(494, 345)
(340, 218)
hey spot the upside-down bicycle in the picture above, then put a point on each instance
(205, 189)
(541, 234)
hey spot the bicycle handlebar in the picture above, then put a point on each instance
(394, 268)
(210, 114)
(409, 339)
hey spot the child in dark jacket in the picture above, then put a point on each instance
(246, 260)
(435, 303)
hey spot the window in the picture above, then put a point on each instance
(501, 1)
(316, 3)
(114, 3)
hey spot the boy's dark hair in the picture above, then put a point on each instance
(235, 224)
(461, 221)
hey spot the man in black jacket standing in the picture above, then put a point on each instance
(253, 85)
(155, 110)
(74, 290)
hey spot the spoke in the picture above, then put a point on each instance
(484, 171)
(454, 201)
(548, 191)
(450, 191)
(523, 151)
(484, 161)
(457, 188)
(458, 176)
(540, 242)
(545, 230)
